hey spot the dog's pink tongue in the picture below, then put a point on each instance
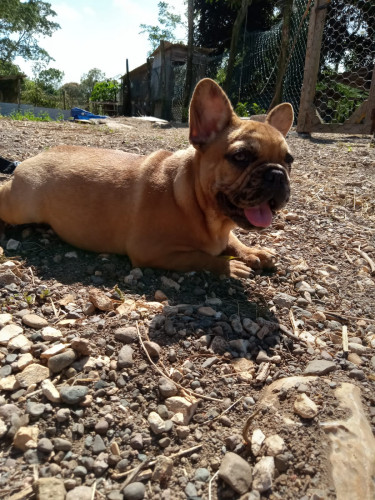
(260, 216)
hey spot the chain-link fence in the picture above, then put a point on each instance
(346, 60)
(345, 70)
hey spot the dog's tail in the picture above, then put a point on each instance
(7, 166)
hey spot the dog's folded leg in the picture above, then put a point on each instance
(256, 258)
(195, 261)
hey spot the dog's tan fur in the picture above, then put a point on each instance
(161, 209)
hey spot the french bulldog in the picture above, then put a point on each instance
(165, 210)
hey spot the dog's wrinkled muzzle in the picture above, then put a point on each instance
(264, 191)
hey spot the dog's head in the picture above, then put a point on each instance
(244, 164)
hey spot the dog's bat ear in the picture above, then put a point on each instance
(281, 117)
(210, 112)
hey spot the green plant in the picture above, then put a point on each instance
(105, 91)
(248, 109)
(29, 115)
(44, 294)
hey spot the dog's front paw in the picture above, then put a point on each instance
(238, 269)
(260, 258)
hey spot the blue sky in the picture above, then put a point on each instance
(100, 34)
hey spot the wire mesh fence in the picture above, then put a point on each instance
(346, 61)
(344, 75)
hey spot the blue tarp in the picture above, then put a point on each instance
(82, 114)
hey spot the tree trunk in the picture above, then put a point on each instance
(283, 56)
(189, 63)
(241, 14)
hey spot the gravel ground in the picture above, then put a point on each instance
(123, 383)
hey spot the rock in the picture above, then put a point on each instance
(244, 368)
(19, 342)
(353, 464)
(50, 391)
(319, 367)
(182, 408)
(305, 407)
(50, 334)
(57, 363)
(263, 473)
(61, 444)
(191, 491)
(163, 469)
(101, 427)
(169, 283)
(32, 374)
(160, 296)
(284, 300)
(236, 472)
(303, 286)
(355, 359)
(357, 374)
(152, 348)
(9, 383)
(157, 424)
(98, 445)
(82, 346)
(73, 395)
(26, 438)
(3, 428)
(167, 388)
(134, 491)
(202, 474)
(359, 349)
(35, 409)
(34, 321)
(125, 357)
(45, 446)
(63, 414)
(8, 332)
(53, 351)
(207, 311)
(274, 445)
(24, 360)
(250, 326)
(79, 493)
(5, 318)
(126, 335)
(100, 300)
(50, 488)
(257, 440)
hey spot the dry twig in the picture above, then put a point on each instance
(367, 258)
(153, 462)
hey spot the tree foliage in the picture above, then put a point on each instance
(88, 81)
(21, 25)
(165, 29)
(214, 21)
(105, 91)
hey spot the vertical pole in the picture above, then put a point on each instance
(370, 113)
(310, 74)
(163, 82)
(127, 97)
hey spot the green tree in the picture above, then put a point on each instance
(50, 80)
(167, 24)
(21, 25)
(74, 95)
(105, 91)
(88, 81)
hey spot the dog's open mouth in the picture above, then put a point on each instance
(258, 216)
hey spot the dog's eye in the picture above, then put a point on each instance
(289, 159)
(242, 158)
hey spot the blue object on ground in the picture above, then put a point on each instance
(82, 114)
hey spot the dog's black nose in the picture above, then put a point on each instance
(274, 176)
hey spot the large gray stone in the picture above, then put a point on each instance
(236, 472)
